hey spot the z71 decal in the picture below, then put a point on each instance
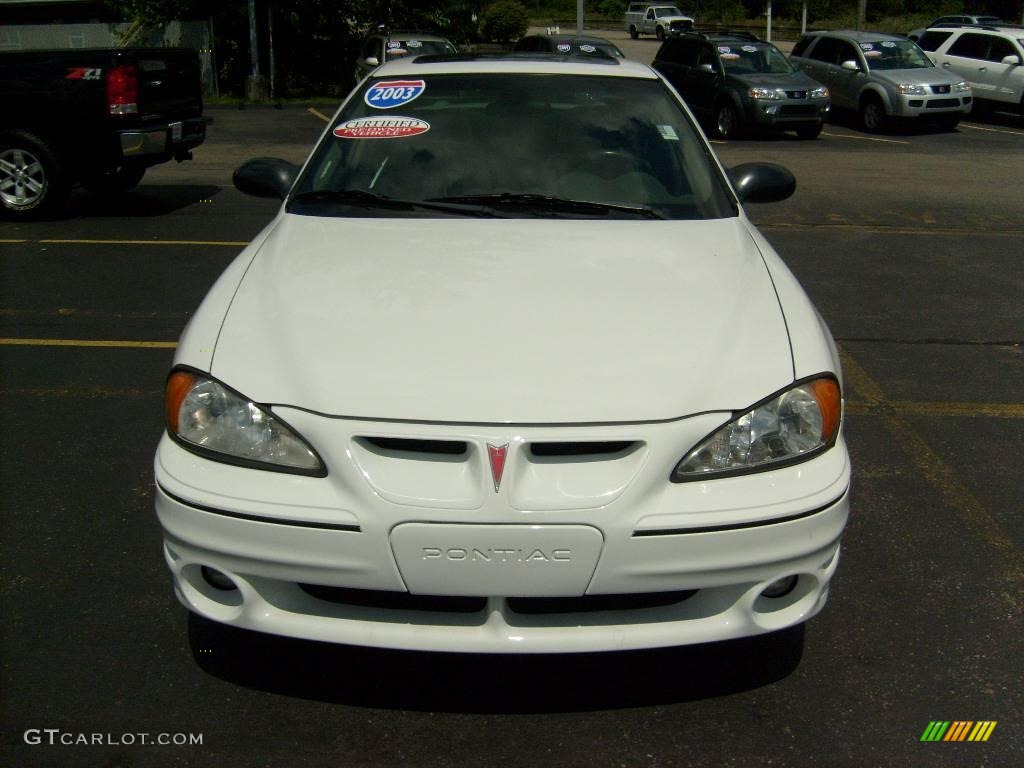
(83, 73)
(393, 93)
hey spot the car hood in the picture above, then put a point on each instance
(916, 76)
(790, 81)
(505, 321)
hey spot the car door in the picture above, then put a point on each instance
(707, 79)
(978, 58)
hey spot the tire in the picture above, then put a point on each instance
(633, 33)
(872, 114)
(33, 182)
(809, 131)
(726, 121)
(113, 181)
(659, 33)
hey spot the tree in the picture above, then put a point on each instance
(505, 21)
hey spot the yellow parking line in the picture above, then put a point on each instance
(991, 130)
(863, 138)
(319, 114)
(930, 465)
(12, 242)
(88, 343)
(231, 243)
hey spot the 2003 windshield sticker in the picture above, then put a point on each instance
(383, 127)
(388, 94)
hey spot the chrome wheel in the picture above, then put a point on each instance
(22, 178)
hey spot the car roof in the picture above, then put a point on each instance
(516, 63)
(411, 35)
(858, 36)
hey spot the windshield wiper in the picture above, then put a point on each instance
(363, 199)
(548, 203)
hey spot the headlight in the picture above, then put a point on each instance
(911, 90)
(819, 93)
(791, 426)
(214, 421)
(962, 87)
(766, 93)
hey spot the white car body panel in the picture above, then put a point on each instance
(484, 312)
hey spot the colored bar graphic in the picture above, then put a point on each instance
(958, 730)
(935, 731)
(982, 730)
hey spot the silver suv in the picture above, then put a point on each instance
(989, 57)
(881, 77)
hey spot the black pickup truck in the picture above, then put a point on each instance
(96, 117)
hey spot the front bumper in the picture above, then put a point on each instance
(789, 113)
(396, 551)
(924, 107)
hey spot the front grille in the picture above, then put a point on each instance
(602, 448)
(445, 447)
(680, 26)
(942, 103)
(797, 94)
(593, 603)
(798, 110)
(402, 601)
(940, 88)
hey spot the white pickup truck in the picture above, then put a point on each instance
(659, 20)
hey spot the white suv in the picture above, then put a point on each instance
(990, 58)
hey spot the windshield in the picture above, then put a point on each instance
(753, 59)
(532, 142)
(667, 11)
(398, 48)
(895, 54)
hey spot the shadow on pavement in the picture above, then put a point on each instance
(451, 682)
(145, 200)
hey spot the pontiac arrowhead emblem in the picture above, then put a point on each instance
(497, 455)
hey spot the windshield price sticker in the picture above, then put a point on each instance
(390, 127)
(414, 44)
(588, 48)
(749, 49)
(388, 94)
(724, 49)
(564, 47)
(867, 46)
(888, 44)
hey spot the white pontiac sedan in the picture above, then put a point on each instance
(510, 371)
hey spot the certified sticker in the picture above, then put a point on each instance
(388, 94)
(383, 127)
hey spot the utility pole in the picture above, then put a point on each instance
(579, 17)
(862, 13)
(255, 86)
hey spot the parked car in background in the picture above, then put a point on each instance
(735, 81)
(882, 77)
(658, 20)
(990, 58)
(568, 45)
(92, 116)
(510, 371)
(398, 44)
(955, 21)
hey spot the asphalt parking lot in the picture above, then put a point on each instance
(910, 243)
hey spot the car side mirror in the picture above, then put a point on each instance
(762, 182)
(371, 61)
(707, 68)
(265, 177)
(1011, 59)
(851, 65)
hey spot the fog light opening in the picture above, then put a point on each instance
(780, 587)
(218, 580)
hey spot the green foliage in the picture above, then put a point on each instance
(504, 21)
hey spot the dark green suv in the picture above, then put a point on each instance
(735, 81)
